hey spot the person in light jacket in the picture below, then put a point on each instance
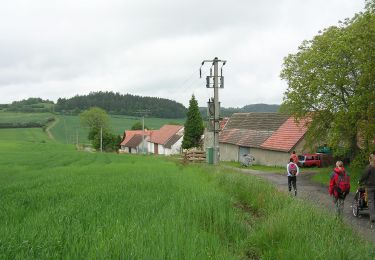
(293, 171)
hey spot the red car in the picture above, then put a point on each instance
(310, 160)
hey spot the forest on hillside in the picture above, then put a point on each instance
(116, 103)
(227, 112)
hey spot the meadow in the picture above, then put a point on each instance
(69, 130)
(57, 202)
(23, 118)
(68, 127)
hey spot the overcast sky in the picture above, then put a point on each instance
(60, 48)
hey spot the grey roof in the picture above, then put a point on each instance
(256, 121)
(134, 141)
(244, 137)
(172, 141)
(251, 129)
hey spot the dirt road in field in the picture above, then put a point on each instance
(318, 195)
(48, 129)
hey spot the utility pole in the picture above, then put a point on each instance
(101, 139)
(213, 105)
(143, 113)
(77, 136)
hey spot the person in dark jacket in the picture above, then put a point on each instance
(368, 179)
(338, 199)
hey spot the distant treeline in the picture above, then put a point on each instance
(227, 112)
(31, 124)
(29, 105)
(116, 103)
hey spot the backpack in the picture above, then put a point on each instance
(292, 169)
(342, 185)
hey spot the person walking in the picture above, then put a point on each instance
(339, 187)
(293, 171)
(294, 157)
(368, 179)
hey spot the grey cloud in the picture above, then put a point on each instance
(62, 48)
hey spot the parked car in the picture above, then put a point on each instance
(317, 159)
(310, 160)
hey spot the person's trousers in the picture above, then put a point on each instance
(371, 203)
(339, 206)
(292, 181)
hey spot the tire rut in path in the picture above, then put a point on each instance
(318, 195)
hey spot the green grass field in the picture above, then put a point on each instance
(57, 202)
(68, 127)
(17, 117)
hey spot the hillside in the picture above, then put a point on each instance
(60, 203)
(116, 103)
(227, 112)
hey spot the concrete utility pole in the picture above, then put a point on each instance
(143, 113)
(101, 139)
(213, 106)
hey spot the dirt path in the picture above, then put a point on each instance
(48, 129)
(318, 195)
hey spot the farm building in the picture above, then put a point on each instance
(167, 140)
(132, 141)
(269, 137)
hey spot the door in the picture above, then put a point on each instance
(156, 148)
(243, 151)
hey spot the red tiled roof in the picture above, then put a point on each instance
(130, 133)
(162, 135)
(287, 136)
(223, 122)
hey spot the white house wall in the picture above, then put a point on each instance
(175, 149)
(269, 158)
(228, 152)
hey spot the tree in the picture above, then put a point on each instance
(97, 120)
(138, 126)
(193, 126)
(331, 80)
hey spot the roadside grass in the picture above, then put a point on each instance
(60, 203)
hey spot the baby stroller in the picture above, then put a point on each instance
(247, 160)
(360, 201)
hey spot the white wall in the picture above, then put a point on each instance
(175, 149)
(228, 152)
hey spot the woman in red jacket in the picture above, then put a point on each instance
(339, 187)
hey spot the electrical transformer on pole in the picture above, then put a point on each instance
(214, 81)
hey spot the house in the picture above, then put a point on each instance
(135, 141)
(167, 140)
(269, 137)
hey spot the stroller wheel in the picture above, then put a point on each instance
(355, 205)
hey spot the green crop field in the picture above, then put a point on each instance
(56, 202)
(18, 117)
(68, 127)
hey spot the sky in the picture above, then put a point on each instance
(61, 48)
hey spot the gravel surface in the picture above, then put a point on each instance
(318, 195)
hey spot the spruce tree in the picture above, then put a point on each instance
(193, 126)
